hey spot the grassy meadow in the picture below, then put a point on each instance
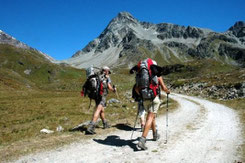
(36, 94)
(25, 110)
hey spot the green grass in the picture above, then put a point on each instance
(25, 111)
(43, 74)
(22, 118)
(207, 71)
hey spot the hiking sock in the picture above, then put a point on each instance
(141, 143)
(91, 127)
(156, 136)
(106, 124)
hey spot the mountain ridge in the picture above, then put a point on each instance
(10, 40)
(125, 40)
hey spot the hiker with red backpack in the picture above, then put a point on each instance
(97, 86)
(148, 84)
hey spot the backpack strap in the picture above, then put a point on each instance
(138, 65)
(149, 63)
(103, 82)
(153, 87)
(101, 87)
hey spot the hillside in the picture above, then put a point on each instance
(25, 69)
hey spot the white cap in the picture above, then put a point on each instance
(106, 68)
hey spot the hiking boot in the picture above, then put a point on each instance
(141, 143)
(156, 136)
(90, 129)
(106, 125)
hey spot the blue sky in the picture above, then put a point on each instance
(59, 28)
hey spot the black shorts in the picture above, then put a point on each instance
(101, 101)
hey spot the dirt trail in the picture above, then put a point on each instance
(199, 131)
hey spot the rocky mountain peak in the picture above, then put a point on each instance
(125, 15)
(126, 39)
(122, 19)
(239, 24)
(113, 34)
(238, 29)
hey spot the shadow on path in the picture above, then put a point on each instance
(115, 140)
(125, 127)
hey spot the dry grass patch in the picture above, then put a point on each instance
(23, 115)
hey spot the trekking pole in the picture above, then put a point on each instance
(89, 104)
(116, 91)
(166, 141)
(135, 123)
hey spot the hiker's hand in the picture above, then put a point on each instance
(114, 89)
(167, 91)
(82, 93)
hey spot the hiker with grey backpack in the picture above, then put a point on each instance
(96, 88)
(148, 84)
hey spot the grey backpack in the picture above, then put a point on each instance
(92, 84)
(145, 81)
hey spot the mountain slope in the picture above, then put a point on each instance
(26, 69)
(126, 40)
(9, 40)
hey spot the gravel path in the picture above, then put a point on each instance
(198, 131)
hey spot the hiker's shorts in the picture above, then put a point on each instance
(101, 101)
(152, 106)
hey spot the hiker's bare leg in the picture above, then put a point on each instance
(153, 126)
(97, 113)
(148, 125)
(102, 114)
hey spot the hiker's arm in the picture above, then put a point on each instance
(110, 87)
(163, 86)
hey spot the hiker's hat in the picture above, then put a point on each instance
(106, 68)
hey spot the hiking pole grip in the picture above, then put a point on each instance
(114, 87)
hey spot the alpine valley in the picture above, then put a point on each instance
(37, 91)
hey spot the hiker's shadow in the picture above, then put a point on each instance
(115, 140)
(125, 127)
